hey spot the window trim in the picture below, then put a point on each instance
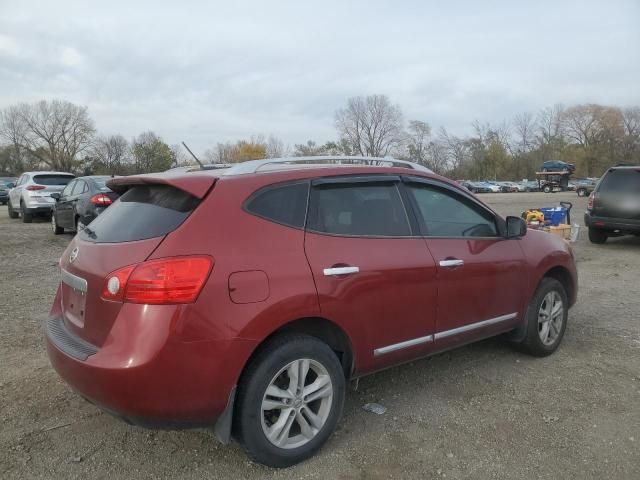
(422, 228)
(360, 180)
(273, 186)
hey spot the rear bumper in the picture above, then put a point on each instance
(150, 379)
(625, 225)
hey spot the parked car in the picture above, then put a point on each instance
(531, 186)
(585, 186)
(32, 193)
(510, 187)
(558, 166)
(5, 186)
(81, 201)
(492, 186)
(614, 205)
(476, 187)
(252, 295)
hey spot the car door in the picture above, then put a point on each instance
(481, 280)
(14, 193)
(64, 205)
(374, 277)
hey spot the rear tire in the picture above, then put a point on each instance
(546, 189)
(12, 212)
(597, 236)
(546, 319)
(270, 371)
(26, 216)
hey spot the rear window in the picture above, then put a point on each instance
(621, 181)
(52, 179)
(143, 211)
(285, 204)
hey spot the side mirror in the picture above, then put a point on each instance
(516, 227)
(56, 196)
(11, 185)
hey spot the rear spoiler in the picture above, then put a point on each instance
(196, 185)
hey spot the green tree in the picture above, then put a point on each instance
(151, 154)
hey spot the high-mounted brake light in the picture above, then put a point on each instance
(101, 199)
(35, 187)
(159, 282)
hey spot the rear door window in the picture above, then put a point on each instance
(79, 187)
(285, 204)
(142, 212)
(359, 209)
(50, 179)
(625, 180)
(447, 214)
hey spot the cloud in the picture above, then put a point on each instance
(205, 72)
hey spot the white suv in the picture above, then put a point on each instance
(32, 193)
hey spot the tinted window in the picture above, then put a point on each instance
(79, 187)
(446, 214)
(359, 210)
(621, 181)
(52, 179)
(143, 211)
(285, 204)
(68, 189)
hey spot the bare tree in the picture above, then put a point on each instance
(631, 141)
(417, 141)
(371, 125)
(276, 147)
(309, 149)
(110, 154)
(55, 132)
(457, 148)
(523, 130)
(550, 134)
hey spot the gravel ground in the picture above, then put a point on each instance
(482, 411)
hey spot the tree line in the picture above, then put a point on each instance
(60, 135)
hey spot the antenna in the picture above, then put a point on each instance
(188, 150)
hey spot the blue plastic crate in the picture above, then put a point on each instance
(554, 215)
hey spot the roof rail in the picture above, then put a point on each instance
(253, 166)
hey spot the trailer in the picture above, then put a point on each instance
(550, 182)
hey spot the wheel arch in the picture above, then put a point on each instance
(562, 274)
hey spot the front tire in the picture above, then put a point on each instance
(546, 189)
(289, 401)
(12, 212)
(597, 236)
(546, 319)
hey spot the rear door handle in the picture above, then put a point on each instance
(334, 271)
(451, 263)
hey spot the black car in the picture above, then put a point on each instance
(6, 184)
(558, 166)
(81, 201)
(614, 205)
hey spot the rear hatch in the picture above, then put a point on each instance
(126, 234)
(44, 184)
(618, 194)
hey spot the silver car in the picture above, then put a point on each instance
(32, 193)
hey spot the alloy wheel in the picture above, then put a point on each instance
(550, 318)
(296, 404)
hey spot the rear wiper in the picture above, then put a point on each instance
(90, 232)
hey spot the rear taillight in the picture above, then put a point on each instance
(31, 188)
(590, 201)
(101, 199)
(159, 282)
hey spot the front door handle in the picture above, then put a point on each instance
(334, 271)
(450, 263)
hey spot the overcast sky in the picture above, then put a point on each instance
(213, 71)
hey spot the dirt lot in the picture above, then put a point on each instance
(483, 411)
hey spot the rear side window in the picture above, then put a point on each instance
(358, 210)
(285, 204)
(446, 214)
(621, 181)
(143, 211)
(52, 179)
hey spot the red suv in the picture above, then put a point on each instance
(244, 299)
